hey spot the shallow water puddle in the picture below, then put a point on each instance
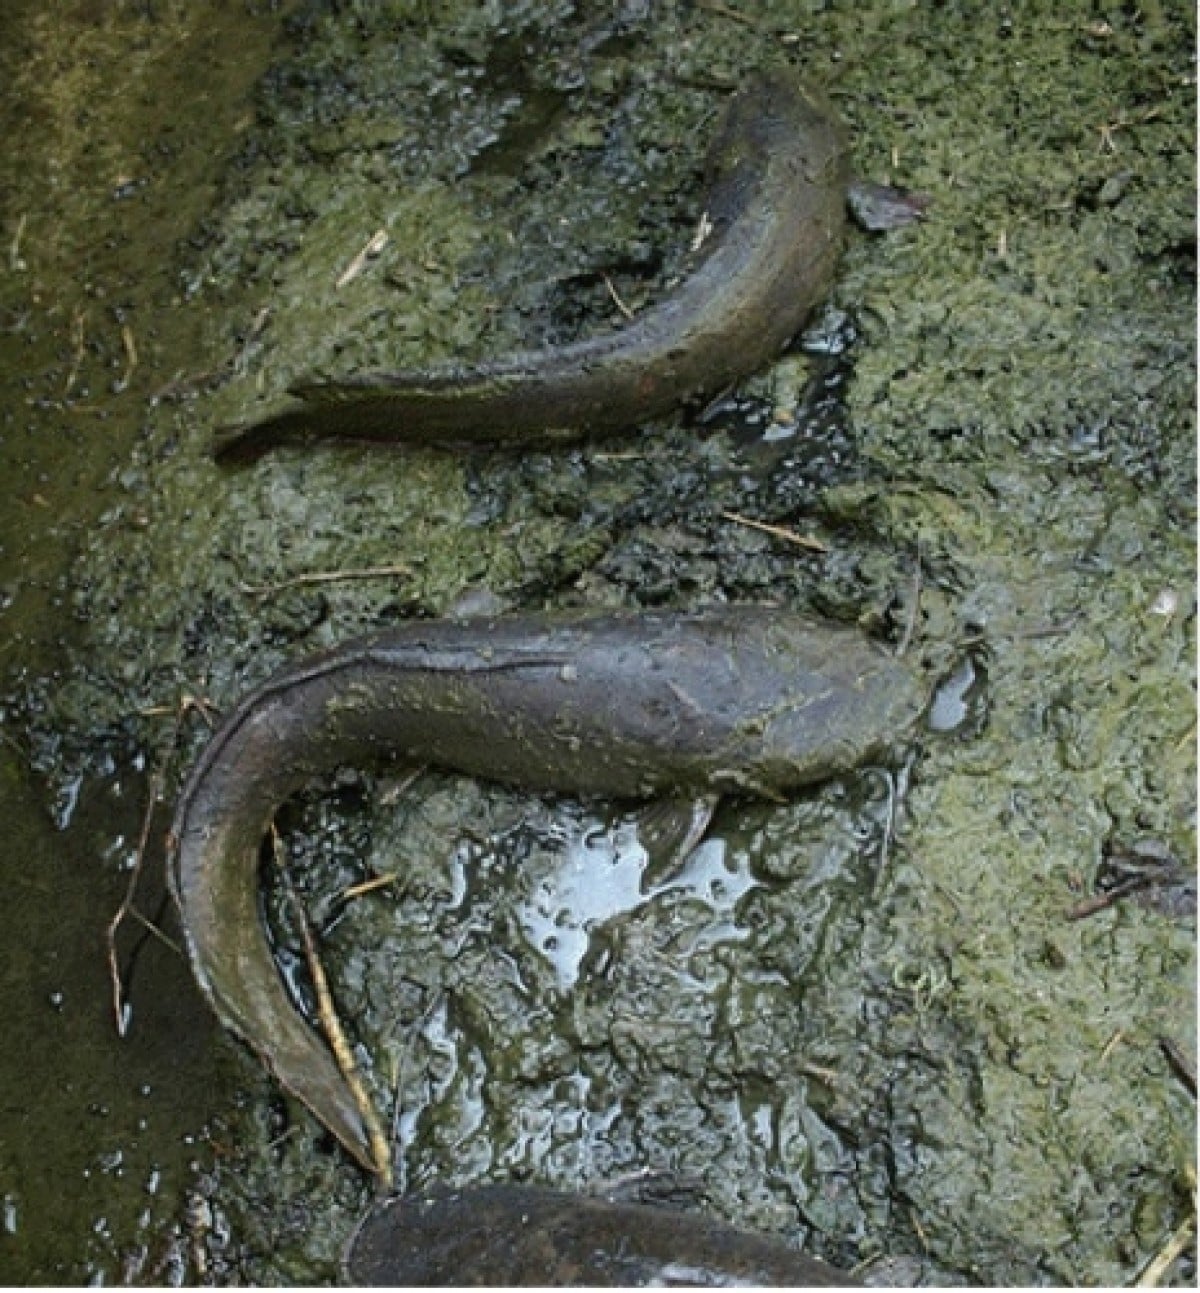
(602, 875)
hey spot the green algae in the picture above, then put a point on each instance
(928, 1061)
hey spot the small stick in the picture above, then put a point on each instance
(378, 241)
(779, 532)
(331, 1025)
(703, 228)
(889, 827)
(829, 1076)
(397, 1106)
(1172, 1249)
(612, 291)
(181, 382)
(1020, 635)
(1101, 901)
(1108, 129)
(418, 1027)
(910, 623)
(131, 357)
(187, 704)
(120, 1005)
(151, 928)
(327, 577)
(78, 320)
(1111, 1045)
(1183, 1067)
(14, 248)
(726, 12)
(369, 886)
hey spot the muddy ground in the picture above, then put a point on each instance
(865, 1020)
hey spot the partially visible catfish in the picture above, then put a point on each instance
(513, 1235)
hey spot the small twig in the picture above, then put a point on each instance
(14, 248)
(829, 1076)
(326, 577)
(402, 784)
(131, 357)
(1111, 1045)
(331, 1025)
(120, 1005)
(78, 320)
(616, 297)
(1183, 1067)
(368, 886)
(910, 622)
(390, 796)
(377, 242)
(435, 1002)
(726, 12)
(889, 828)
(1108, 129)
(151, 928)
(1101, 901)
(187, 704)
(1019, 635)
(779, 532)
(704, 227)
(1167, 1255)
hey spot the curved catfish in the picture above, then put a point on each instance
(512, 1235)
(746, 699)
(775, 213)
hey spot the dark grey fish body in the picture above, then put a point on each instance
(511, 1236)
(746, 700)
(775, 212)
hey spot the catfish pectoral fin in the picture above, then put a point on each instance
(669, 831)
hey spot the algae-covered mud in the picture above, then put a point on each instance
(905, 1021)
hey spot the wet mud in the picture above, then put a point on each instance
(869, 1020)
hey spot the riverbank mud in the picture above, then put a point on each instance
(865, 1019)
